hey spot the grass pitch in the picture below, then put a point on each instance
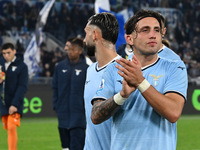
(34, 134)
(188, 128)
(42, 134)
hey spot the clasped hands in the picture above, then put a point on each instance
(132, 75)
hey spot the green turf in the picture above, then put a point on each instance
(35, 134)
(42, 134)
(188, 133)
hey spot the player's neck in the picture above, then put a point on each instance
(105, 57)
(147, 60)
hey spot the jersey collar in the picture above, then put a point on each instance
(100, 68)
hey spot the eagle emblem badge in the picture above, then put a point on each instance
(155, 79)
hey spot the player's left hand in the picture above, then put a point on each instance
(126, 89)
(12, 110)
(130, 71)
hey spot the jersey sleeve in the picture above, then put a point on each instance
(177, 81)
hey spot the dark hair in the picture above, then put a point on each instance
(162, 19)
(166, 43)
(70, 39)
(7, 45)
(77, 41)
(108, 25)
(130, 25)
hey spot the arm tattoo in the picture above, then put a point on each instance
(103, 110)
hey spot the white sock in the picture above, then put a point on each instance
(65, 149)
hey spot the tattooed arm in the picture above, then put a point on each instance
(103, 110)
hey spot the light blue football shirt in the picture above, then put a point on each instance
(168, 53)
(98, 137)
(136, 125)
(165, 53)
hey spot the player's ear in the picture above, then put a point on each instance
(129, 39)
(93, 35)
(14, 51)
(96, 34)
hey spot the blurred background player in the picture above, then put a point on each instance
(68, 87)
(124, 50)
(13, 87)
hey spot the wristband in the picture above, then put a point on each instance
(119, 100)
(143, 86)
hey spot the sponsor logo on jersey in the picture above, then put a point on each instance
(120, 81)
(87, 82)
(182, 68)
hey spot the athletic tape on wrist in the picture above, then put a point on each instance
(119, 100)
(144, 85)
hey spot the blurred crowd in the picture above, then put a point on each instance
(68, 18)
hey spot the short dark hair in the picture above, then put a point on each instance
(7, 45)
(70, 39)
(130, 25)
(77, 41)
(108, 25)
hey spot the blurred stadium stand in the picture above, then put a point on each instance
(68, 19)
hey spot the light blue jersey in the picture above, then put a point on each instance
(98, 137)
(165, 53)
(136, 125)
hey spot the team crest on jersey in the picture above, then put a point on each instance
(78, 71)
(155, 79)
(14, 68)
(101, 86)
(64, 70)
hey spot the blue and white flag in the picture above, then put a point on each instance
(45, 11)
(41, 20)
(32, 53)
(32, 57)
(122, 17)
(101, 5)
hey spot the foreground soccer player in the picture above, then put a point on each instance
(164, 51)
(101, 35)
(145, 97)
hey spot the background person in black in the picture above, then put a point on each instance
(68, 86)
(13, 88)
